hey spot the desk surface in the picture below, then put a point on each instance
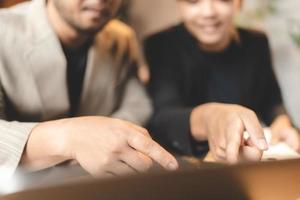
(65, 174)
(268, 180)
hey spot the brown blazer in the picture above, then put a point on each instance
(33, 77)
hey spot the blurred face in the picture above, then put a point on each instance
(210, 21)
(87, 16)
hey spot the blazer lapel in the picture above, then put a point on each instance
(48, 64)
(99, 83)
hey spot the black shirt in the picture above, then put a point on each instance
(184, 76)
(76, 67)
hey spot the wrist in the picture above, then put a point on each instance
(59, 136)
(47, 146)
(64, 138)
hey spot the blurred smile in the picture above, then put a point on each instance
(95, 11)
(210, 28)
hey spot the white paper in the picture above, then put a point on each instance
(280, 151)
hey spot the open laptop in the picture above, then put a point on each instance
(272, 180)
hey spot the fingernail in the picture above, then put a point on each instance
(172, 166)
(263, 144)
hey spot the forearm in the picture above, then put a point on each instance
(46, 145)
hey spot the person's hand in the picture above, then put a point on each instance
(283, 131)
(102, 146)
(246, 154)
(223, 125)
(290, 136)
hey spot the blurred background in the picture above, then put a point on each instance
(280, 19)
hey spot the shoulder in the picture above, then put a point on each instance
(13, 23)
(256, 49)
(14, 16)
(165, 37)
(253, 38)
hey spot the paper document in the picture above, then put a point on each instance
(280, 151)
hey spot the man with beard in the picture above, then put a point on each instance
(68, 80)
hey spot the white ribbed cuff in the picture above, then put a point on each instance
(13, 138)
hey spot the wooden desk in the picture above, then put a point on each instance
(257, 181)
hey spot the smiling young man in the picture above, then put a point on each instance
(206, 78)
(65, 67)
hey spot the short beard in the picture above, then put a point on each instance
(60, 7)
(85, 31)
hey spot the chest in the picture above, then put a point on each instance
(223, 80)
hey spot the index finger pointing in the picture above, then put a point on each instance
(255, 130)
(150, 148)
